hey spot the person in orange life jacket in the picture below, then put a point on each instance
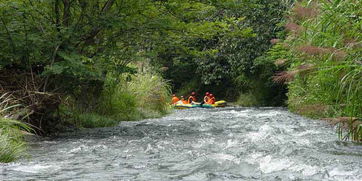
(183, 100)
(175, 99)
(207, 97)
(212, 99)
(192, 98)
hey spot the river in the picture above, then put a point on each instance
(196, 144)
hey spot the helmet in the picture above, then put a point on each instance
(193, 93)
(207, 93)
(211, 95)
(173, 95)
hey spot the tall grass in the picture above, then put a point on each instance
(152, 94)
(116, 101)
(12, 145)
(330, 42)
(126, 98)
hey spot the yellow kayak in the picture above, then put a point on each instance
(199, 105)
(221, 103)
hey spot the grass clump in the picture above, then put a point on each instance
(152, 94)
(12, 145)
(116, 101)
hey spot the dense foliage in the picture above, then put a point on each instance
(322, 53)
(64, 50)
(67, 49)
(234, 60)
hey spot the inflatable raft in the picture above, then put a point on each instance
(199, 105)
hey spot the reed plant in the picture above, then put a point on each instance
(325, 71)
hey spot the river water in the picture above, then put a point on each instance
(196, 144)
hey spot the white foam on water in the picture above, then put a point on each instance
(189, 118)
(252, 158)
(305, 142)
(35, 168)
(234, 114)
(339, 172)
(268, 113)
(222, 157)
(268, 164)
(244, 113)
(162, 145)
(203, 142)
(256, 155)
(263, 132)
(87, 148)
(77, 149)
(306, 170)
(149, 148)
(230, 143)
(307, 132)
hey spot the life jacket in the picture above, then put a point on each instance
(174, 100)
(191, 99)
(211, 100)
(184, 101)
